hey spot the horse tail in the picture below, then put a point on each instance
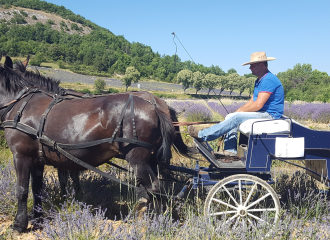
(179, 146)
(164, 153)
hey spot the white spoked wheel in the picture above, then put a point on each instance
(242, 200)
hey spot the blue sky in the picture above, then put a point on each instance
(222, 33)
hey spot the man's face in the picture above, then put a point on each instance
(256, 68)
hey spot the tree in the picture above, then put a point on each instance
(250, 84)
(99, 84)
(241, 84)
(301, 72)
(38, 59)
(211, 81)
(198, 79)
(231, 70)
(223, 82)
(186, 78)
(131, 75)
(293, 77)
(317, 77)
(233, 80)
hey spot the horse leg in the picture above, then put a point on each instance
(37, 177)
(63, 176)
(22, 166)
(75, 180)
(139, 159)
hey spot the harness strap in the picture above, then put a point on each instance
(20, 110)
(106, 175)
(45, 139)
(23, 93)
(130, 98)
(133, 121)
(20, 126)
(44, 115)
(8, 108)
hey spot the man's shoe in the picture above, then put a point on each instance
(193, 131)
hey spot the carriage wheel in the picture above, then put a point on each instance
(242, 200)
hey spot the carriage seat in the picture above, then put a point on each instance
(276, 126)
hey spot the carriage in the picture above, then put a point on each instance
(242, 191)
(138, 127)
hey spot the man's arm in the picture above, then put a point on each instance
(246, 104)
(256, 105)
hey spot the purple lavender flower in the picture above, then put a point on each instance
(198, 112)
(180, 106)
(7, 189)
(317, 112)
(226, 109)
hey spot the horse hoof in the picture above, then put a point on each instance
(141, 207)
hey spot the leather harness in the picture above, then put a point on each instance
(28, 93)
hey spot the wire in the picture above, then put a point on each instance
(220, 101)
(175, 36)
(176, 49)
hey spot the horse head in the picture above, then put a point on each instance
(34, 77)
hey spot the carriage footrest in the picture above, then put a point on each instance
(207, 153)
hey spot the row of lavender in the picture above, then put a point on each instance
(305, 213)
(203, 111)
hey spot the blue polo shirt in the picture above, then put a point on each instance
(271, 84)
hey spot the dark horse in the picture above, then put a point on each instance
(79, 121)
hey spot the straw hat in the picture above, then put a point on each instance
(258, 57)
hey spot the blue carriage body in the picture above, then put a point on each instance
(260, 152)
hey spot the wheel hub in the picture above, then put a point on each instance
(242, 211)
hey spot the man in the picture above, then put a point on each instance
(267, 102)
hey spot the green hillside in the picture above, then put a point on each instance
(51, 33)
(79, 44)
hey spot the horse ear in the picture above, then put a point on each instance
(8, 62)
(25, 63)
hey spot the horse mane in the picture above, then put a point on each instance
(37, 80)
(12, 81)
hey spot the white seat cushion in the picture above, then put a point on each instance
(264, 126)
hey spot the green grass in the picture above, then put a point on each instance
(50, 65)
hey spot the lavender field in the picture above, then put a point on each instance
(104, 210)
(95, 214)
(300, 111)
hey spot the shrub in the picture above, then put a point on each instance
(35, 62)
(99, 84)
(198, 113)
(19, 19)
(226, 109)
(7, 189)
(77, 220)
(50, 22)
(24, 13)
(3, 142)
(34, 17)
(112, 90)
(61, 64)
(85, 90)
(74, 26)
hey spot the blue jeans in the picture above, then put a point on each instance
(230, 126)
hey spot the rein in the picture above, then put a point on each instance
(176, 124)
